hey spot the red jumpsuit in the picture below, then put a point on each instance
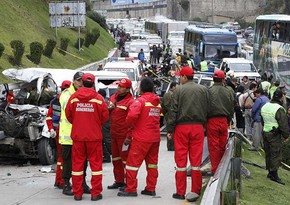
(119, 132)
(217, 136)
(87, 111)
(144, 117)
(52, 121)
(188, 138)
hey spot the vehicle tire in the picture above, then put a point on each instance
(46, 153)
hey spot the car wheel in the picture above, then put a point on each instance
(46, 153)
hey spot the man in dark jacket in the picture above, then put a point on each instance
(261, 100)
(220, 113)
(87, 111)
(275, 122)
(166, 104)
(186, 119)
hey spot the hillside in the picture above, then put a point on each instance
(28, 21)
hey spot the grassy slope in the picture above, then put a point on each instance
(259, 190)
(28, 21)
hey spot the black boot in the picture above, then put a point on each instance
(87, 189)
(274, 177)
(67, 188)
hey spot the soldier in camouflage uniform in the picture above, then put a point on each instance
(275, 122)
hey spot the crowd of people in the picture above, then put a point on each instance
(78, 115)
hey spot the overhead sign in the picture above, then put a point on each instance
(126, 2)
(67, 14)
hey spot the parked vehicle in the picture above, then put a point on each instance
(247, 32)
(241, 67)
(132, 68)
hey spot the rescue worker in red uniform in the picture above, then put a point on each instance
(186, 119)
(52, 121)
(87, 112)
(143, 118)
(220, 113)
(119, 104)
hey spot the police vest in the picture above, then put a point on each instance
(190, 63)
(203, 66)
(56, 110)
(272, 90)
(64, 125)
(268, 113)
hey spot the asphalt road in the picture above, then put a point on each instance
(27, 185)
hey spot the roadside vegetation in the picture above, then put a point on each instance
(28, 21)
(258, 189)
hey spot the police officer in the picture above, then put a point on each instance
(143, 118)
(119, 105)
(64, 135)
(166, 104)
(275, 122)
(186, 119)
(220, 113)
(87, 111)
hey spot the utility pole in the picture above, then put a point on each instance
(212, 10)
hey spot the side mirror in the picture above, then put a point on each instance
(201, 47)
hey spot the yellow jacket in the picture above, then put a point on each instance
(64, 125)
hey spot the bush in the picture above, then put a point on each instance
(36, 50)
(88, 39)
(2, 48)
(18, 50)
(98, 18)
(96, 35)
(81, 43)
(50, 45)
(63, 45)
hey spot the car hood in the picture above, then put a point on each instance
(25, 75)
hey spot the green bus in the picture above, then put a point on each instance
(272, 47)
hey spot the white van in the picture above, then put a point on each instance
(241, 67)
(132, 68)
(135, 47)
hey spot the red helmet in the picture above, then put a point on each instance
(65, 84)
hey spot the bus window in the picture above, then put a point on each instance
(287, 32)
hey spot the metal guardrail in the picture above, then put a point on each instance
(95, 65)
(216, 192)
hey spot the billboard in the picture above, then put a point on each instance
(67, 14)
(127, 2)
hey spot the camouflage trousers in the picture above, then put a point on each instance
(273, 150)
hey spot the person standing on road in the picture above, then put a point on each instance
(247, 104)
(87, 111)
(119, 104)
(261, 100)
(275, 122)
(186, 119)
(141, 55)
(220, 113)
(65, 135)
(52, 121)
(143, 118)
(166, 104)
